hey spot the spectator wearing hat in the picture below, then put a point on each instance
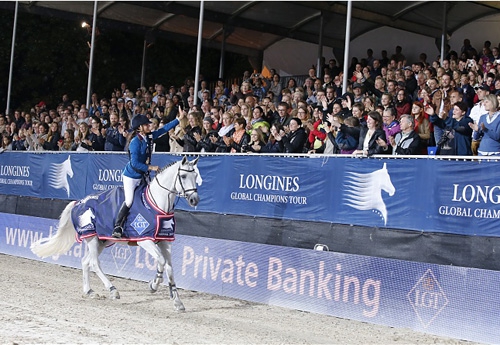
(139, 164)
(357, 90)
(411, 82)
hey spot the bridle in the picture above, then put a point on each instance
(185, 193)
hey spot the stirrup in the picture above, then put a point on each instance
(117, 232)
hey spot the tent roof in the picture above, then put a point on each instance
(252, 26)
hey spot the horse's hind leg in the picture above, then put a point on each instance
(91, 260)
(166, 249)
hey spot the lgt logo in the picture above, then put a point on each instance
(121, 255)
(427, 298)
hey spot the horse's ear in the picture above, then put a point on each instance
(385, 166)
(184, 160)
(195, 161)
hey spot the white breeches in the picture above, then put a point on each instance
(129, 185)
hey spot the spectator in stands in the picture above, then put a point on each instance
(391, 125)
(421, 125)
(487, 129)
(316, 135)
(82, 140)
(6, 143)
(170, 111)
(53, 137)
(276, 89)
(406, 142)
(402, 104)
(294, 141)
(204, 141)
(291, 85)
(372, 136)
(477, 110)
(188, 141)
(273, 145)
(239, 138)
(68, 141)
(456, 130)
(226, 130)
(256, 143)
(257, 89)
(18, 119)
(283, 113)
(97, 134)
(369, 103)
(114, 140)
(257, 121)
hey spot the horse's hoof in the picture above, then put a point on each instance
(114, 294)
(152, 288)
(179, 307)
(91, 294)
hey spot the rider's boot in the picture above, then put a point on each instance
(120, 220)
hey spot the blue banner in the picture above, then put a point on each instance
(424, 297)
(460, 197)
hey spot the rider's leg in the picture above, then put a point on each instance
(129, 185)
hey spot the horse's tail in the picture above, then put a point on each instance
(62, 241)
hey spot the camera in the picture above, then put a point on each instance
(470, 63)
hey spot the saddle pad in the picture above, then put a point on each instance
(96, 214)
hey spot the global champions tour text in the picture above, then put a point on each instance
(287, 184)
(473, 194)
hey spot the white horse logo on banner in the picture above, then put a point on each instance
(58, 175)
(363, 191)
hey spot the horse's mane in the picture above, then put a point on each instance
(167, 166)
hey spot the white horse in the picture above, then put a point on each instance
(364, 191)
(177, 179)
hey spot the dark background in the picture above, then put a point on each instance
(50, 55)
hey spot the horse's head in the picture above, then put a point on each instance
(185, 176)
(385, 181)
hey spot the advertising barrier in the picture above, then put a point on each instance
(458, 197)
(448, 301)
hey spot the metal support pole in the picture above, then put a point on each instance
(222, 53)
(7, 110)
(91, 63)
(346, 45)
(319, 68)
(198, 53)
(143, 69)
(443, 33)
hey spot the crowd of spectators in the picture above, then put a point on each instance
(390, 106)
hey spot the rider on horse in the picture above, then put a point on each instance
(140, 150)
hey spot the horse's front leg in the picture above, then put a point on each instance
(91, 260)
(152, 249)
(166, 249)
